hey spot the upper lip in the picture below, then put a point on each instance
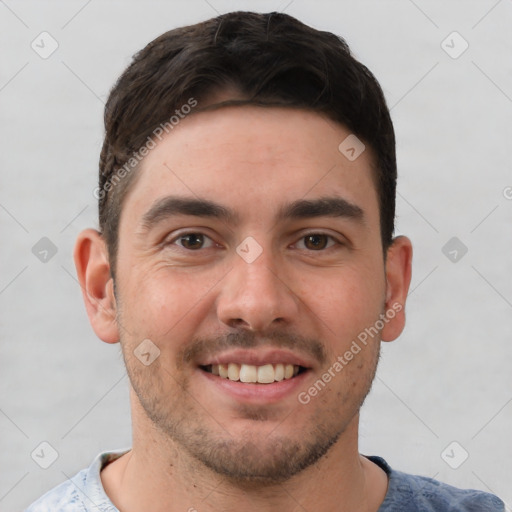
(257, 357)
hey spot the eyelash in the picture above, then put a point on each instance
(312, 233)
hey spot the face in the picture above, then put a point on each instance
(250, 246)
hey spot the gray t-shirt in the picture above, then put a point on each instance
(406, 493)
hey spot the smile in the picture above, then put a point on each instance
(248, 373)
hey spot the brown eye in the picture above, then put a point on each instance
(316, 241)
(192, 241)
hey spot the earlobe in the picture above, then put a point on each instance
(93, 270)
(398, 279)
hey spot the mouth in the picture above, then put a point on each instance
(259, 376)
(252, 374)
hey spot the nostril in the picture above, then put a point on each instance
(244, 325)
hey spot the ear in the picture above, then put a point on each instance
(398, 279)
(93, 269)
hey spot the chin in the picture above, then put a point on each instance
(272, 461)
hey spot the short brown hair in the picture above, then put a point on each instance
(271, 59)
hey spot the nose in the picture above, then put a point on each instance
(256, 296)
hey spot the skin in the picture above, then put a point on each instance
(196, 445)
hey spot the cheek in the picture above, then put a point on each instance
(345, 300)
(160, 301)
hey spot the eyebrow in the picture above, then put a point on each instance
(170, 206)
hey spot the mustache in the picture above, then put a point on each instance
(209, 347)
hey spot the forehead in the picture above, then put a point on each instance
(254, 159)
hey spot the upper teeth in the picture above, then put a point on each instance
(265, 374)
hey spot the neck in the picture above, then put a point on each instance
(158, 475)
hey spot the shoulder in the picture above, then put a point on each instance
(63, 498)
(82, 493)
(426, 494)
(414, 493)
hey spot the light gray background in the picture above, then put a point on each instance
(446, 379)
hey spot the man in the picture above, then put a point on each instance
(246, 263)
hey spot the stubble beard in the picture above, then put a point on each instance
(248, 459)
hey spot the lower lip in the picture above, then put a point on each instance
(258, 393)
